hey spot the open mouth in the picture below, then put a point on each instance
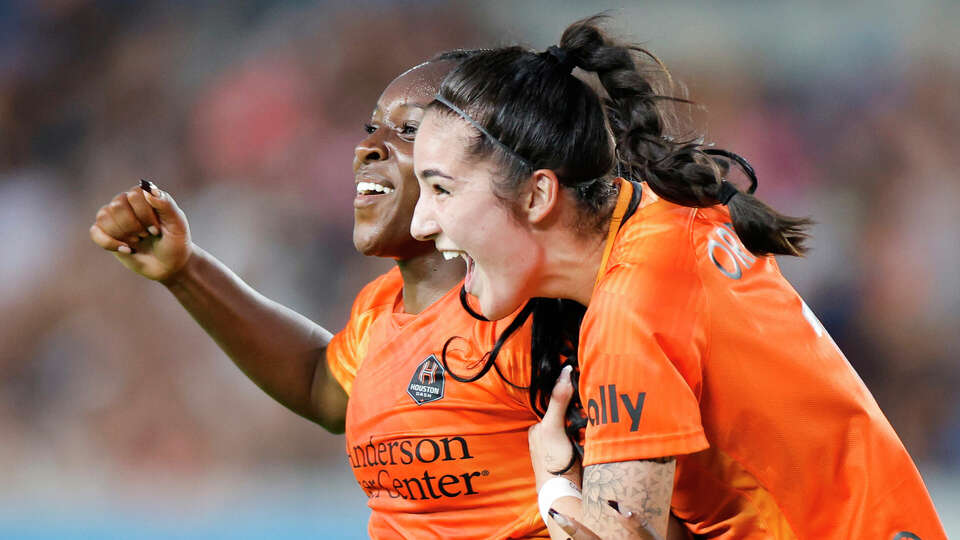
(373, 188)
(471, 265)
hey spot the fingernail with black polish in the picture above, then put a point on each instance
(614, 504)
(146, 185)
(559, 518)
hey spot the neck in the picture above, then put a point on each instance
(572, 262)
(426, 278)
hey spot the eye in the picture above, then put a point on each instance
(408, 131)
(369, 128)
(437, 189)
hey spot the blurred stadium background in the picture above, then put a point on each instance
(120, 419)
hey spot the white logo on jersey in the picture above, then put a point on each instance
(817, 326)
(727, 253)
(812, 319)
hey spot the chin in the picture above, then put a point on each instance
(496, 298)
(496, 310)
(365, 245)
(368, 238)
(362, 246)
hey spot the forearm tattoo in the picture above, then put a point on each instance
(643, 487)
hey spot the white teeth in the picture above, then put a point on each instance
(368, 187)
(447, 255)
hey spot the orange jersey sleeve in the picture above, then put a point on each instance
(642, 342)
(348, 347)
(716, 359)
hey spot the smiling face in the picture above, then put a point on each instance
(460, 212)
(386, 185)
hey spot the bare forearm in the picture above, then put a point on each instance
(568, 506)
(282, 351)
(643, 487)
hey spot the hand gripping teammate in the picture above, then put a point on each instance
(437, 458)
(711, 389)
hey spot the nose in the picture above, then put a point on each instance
(372, 148)
(424, 226)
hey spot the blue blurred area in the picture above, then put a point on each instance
(249, 526)
(295, 503)
(119, 418)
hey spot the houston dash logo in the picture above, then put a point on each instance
(426, 385)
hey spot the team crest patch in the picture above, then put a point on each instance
(427, 382)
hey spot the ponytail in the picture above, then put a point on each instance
(683, 172)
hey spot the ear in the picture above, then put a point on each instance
(543, 194)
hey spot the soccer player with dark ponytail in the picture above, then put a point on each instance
(712, 391)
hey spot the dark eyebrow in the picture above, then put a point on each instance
(427, 173)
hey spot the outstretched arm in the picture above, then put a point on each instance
(283, 352)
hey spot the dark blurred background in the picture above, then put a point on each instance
(119, 418)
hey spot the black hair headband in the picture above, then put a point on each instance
(463, 114)
(728, 190)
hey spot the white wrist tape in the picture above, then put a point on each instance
(552, 490)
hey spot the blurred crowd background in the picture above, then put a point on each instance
(120, 418)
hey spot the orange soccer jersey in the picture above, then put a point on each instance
(437, 458)
(693, 347)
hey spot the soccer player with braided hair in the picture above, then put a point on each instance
(711, 390)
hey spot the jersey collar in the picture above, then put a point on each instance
(616, 220)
